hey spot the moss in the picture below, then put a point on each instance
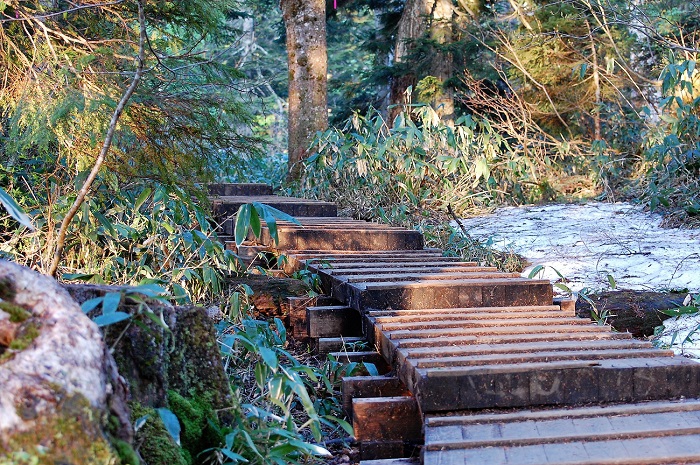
(127, 454)
(26, 335)
(195, 360)
(155, 444)
(199, 423)
(17, 313)
(71, 436)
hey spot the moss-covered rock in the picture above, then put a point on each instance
(185, 359)
(155, 445)
(54, 404)
(195, 368)
(200, 426)
(70, 435)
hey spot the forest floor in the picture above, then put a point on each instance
(597, 246)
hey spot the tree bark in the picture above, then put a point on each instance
(635, 311)
(305, 21)
(423, 18)
(441, 68)
(412, 26)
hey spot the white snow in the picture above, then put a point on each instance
(586, 243)
(682, 334)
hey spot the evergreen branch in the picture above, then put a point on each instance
(59, 13)
(61, 239)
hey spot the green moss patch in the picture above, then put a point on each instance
(71, 436)
(153, 441)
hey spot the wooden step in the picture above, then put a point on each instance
(239, 189)
(567, 382)
(226, 207)
(646, 433)
(358, 238)
(333, 321)
(446, 293)
(494, 311)
(468, 321)
(325, 345)
(373, 264)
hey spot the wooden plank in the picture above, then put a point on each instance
(333, 321)
(357, 387)
(386, 419)
(372, 357)
(325, 345)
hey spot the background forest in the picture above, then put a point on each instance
(115, 115)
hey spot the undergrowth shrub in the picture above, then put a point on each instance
(130, 235)
(282, 407)
(671, 165)
(422, 165)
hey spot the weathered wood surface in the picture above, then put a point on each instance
(386, 418)
(635, 311)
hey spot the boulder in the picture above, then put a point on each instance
(62, 399)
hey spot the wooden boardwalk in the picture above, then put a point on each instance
(493, 370)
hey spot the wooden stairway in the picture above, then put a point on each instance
(467, 341)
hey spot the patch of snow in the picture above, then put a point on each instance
(682, 334)
(586, 243)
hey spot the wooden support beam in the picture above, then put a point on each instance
(372, 357)
(381, 419)
(333, 321)
(326, 345)
(360, 387)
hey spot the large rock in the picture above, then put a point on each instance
(184, 358)
(178, 367)
(60, 390)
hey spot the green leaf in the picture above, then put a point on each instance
(242, 223)
(78, 276)
(347, 427)
(563, 287)
(105, 222)
(140, 422)
(278, 214)
(312, 448)
(683, 310)
(255, 222)
(90, 304)
(535, 271)
(269, 357)
(14, 210)
(260, 375)
(110, 302)
(233, 456)
(172, 425)
(611, 281)
(157, 319)
(111, 318)
(149, 290)
(371, 368)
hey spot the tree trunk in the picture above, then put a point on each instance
(441, 33)
(412, 26)
(633, 311)
(305, 21)
(421, 18)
